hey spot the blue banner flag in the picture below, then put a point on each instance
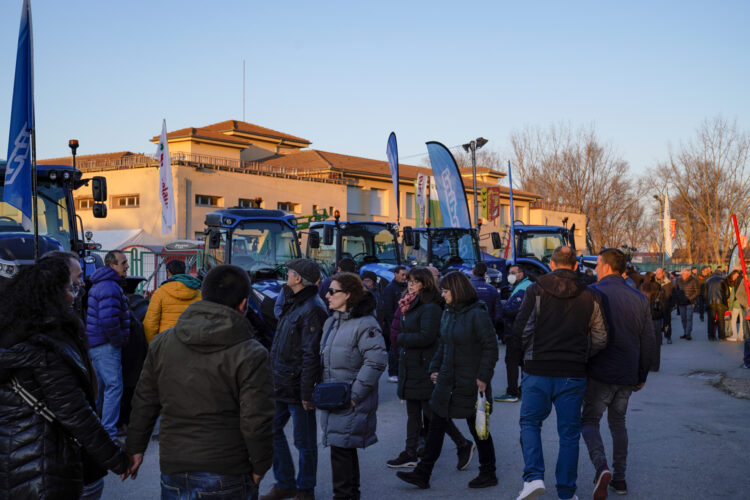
(453, 204)
(512, 219)
(392, 153)
(17, 191)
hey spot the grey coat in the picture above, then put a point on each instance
(353, 352)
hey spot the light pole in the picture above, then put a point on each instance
(661, 211)
(473, 146)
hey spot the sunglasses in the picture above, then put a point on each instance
(333, 291)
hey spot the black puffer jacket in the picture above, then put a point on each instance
(37, 459)
(686, 291)
(717, 290)
(418, 341)
(295, 352)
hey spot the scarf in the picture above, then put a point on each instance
(405, 302)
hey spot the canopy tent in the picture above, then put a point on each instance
(118, 239)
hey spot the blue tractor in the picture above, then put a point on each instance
(534, 246)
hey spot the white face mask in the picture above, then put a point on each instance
(511, 279)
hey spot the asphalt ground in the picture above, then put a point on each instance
(689, 436)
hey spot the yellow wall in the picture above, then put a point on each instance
(546, 217)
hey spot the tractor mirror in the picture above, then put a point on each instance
(99, 188)
(496, 242)
(100, 210)
(314, 239)
(408, 236)
(328, 235)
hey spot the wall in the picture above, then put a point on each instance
(547, 217)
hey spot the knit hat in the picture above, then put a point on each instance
(306, 268)
(370, 275)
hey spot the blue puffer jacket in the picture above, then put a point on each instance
(107, 318)
(489, 295)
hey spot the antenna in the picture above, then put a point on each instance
(243, 89)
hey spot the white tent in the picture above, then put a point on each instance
(116, 239)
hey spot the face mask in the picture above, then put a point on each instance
(511, 279)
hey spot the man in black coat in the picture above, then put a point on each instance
(686, 292)
(391, 295)
(667, 288)
(295, 357)
(717, 296)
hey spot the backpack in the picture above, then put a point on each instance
(655, 302)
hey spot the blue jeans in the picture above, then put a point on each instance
(305, 440)
(197, 485)
(107, 361)
(686, 315)
(539, 394)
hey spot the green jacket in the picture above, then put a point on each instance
(418, 341)
(467, 351)
(210, 381)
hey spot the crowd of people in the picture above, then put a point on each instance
(222, 401)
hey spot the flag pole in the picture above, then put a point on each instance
(512, 217)
(34, 194)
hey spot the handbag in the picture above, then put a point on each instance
(332, 396)
(482, 422)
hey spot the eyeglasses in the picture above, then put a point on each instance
(414, 282)
(333, 291)
(444, 290)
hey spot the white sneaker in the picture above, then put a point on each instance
(532, 489)
(393, 379)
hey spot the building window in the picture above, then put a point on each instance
(519, 213)
(378, 205)
(354, 203)
(288, 206)
(84, 203)
(251, 203)
(409, 201)
(126, 201)
(205, 200)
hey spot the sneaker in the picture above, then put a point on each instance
(278, 493)
(393, 379)
(619, 486)
(404, 459)
(746, 365)
(465, 454)
(603, 477)
(415, 477)
(532, 489)
(506, 398)
(484, 480)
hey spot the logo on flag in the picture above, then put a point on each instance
(166, 193)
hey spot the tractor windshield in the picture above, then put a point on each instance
(52, 211)
(450, 246)
(539, 245)
(365, 243)
(259, 245)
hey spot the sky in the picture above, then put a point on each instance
(345, 74)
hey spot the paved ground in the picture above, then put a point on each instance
(689, 438)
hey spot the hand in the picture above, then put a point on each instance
(256, 479)
(353, 404)
(433, 377)
(639, 387)
(307, 405)
(482, 386)
(135, 463)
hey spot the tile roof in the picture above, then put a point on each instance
(250, 128)
(68, 160)
(201, 133)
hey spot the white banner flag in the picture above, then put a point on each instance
(421, 198)
(166, 193)
(667, 226)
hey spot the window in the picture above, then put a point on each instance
(248, 203)
(126, 201)
(288, 206)
(519, 213)
(378, 205)
(504, 214)
(205, 200)
(354, 200)
(409, 202)
(84, 203)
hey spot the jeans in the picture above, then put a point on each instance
(613, 398)
(197, 485)
(108, 367)
(716, 320)
(737, 322)
(539, 394)
(345, 472)
(434, 445)
(686, 315)
(305, 434)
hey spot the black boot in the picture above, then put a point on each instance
(483, 480)
(417, 477)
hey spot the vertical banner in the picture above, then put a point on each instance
(493, 203)
(420, 199)
(391, 151)
(453, 204)
(166, 193)
(667, 226)
(512, 236)
(433, 208)
(18, 171)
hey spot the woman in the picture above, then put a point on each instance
(657, 304)
(735, 308)
(43, 352)
(417, 341)
(462, 366)
(353, 352)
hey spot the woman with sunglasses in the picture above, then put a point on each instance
(417, 342)
(43, 358)
(353, 352)
(463, 365)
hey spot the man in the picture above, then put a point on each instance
(486, 292)
(107, 328)
(702, 302)
(170, 299)
(370, 280)
(560, 325)
(717, 298)
(210, 381)
(345, 265)
(634, 275)
(295, 356)
(667, 288)
(617, 370)
(513, 353)
(391, 295)
(686, 292)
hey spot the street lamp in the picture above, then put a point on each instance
(661, 211)
(473, 146)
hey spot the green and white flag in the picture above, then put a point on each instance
(166, 193)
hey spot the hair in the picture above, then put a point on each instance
(58, 254)
(34, 301)
(732, 277)
(429, 292)
(111, 258)
(227, 285)
(351, 284)
(462, 291)
(564, 256)
(614, 258)
(649, 276)
(398, 269)
(176, 266)
(480, 269)
(347, 265)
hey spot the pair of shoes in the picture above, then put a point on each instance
(484, 480)
(465, 454)
(669, 341)
(393, 379)
(506, 398)
(416, 478)
(304, 495)
(619, 486)
(278, 493)
(683, 336)
(404, 459)
(603, 478)
(531, 490)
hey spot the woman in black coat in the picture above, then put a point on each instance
(43, 352)
(657, 304)
(417, 342)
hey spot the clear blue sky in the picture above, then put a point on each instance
(345, 74)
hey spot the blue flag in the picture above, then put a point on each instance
(391, 151)
(17, 190)
(512, 219)
(450, 187)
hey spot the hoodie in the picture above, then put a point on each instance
(168, 302)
